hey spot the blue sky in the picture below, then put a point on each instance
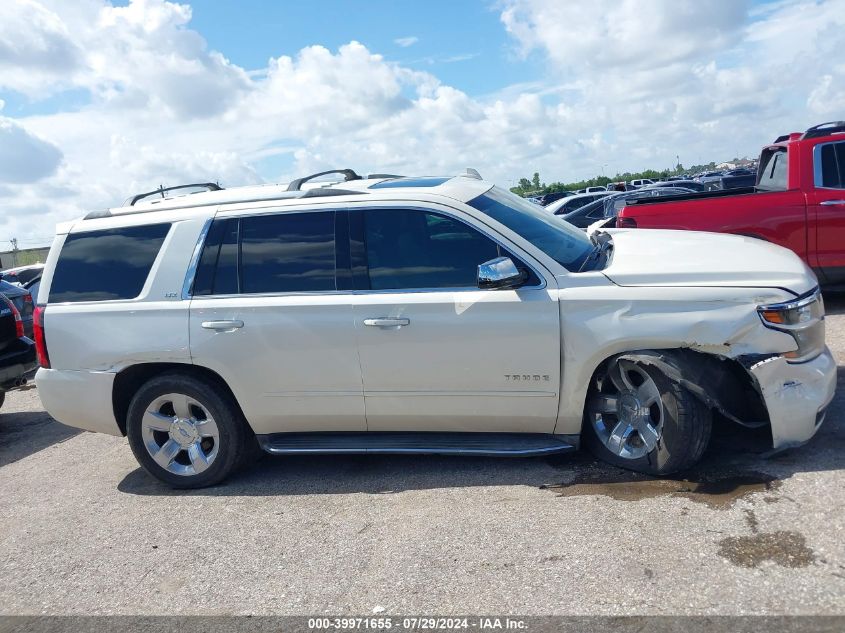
(100, 99)
(251, 31)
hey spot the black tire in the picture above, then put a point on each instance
(686, 429)
(236, 440)
(2, 397)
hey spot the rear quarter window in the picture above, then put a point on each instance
(772, 175)
(106, 265)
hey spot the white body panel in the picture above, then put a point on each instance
(656, 257)
(484, 360)
(293, 366)
(60, 391)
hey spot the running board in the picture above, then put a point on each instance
(517, 444)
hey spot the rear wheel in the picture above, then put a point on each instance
(639, 418)
(184, 433)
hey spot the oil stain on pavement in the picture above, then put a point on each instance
(719, 489)
(786, 548)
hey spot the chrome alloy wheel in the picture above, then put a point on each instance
(627, 413)
(179, 434)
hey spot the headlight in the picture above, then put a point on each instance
(803, 318)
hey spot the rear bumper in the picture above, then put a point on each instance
(16, 361)
(796, 396)
(82, 399)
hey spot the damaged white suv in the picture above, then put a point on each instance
(417, 315)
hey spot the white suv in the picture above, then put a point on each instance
(417, 315)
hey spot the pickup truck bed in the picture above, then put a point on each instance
(798, 202)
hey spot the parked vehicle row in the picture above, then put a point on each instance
(417, 315)
(608, 205)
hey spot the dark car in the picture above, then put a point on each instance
(610, 205)
(694, 185)
(22, 274)
(570, 204)
(22, 300)
(17, 352)
(548, 198)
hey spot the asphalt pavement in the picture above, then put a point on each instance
(84, 531)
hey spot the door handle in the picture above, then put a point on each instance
(222, 326)
(387, 322)
(831, 203)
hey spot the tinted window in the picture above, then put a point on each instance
(833, 165)
(559, 240)
(217, 272)
(288, 252)
(103, 265)
(773, 170)
(418, 249)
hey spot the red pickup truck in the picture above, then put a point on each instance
(798, 202)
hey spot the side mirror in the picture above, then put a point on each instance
(500, 273)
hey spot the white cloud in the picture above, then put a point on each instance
(405, 42)
(36, 50)
(620, 35)
(623, 87)
(24, 157)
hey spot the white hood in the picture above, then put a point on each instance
(652, 257)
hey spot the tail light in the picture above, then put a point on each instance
(625, 223)
(40, 340)
(18, 320)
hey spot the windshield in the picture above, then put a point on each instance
(561, 241)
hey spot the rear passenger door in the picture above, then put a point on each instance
(438, 353)
(270, 314)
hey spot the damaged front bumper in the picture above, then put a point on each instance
(796, 395)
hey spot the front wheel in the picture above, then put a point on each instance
(639, 418)
(184, 433)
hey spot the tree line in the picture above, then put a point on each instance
(534, 186)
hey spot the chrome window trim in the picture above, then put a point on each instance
(486, 231)
(195, 259)
(323, 293)
(817, 166)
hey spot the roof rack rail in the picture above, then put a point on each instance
(376, 176)
(296, 185)
(285, 195)
(824, 129)
(209, 186)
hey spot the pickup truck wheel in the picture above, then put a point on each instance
(185, 434)
(640, 419)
